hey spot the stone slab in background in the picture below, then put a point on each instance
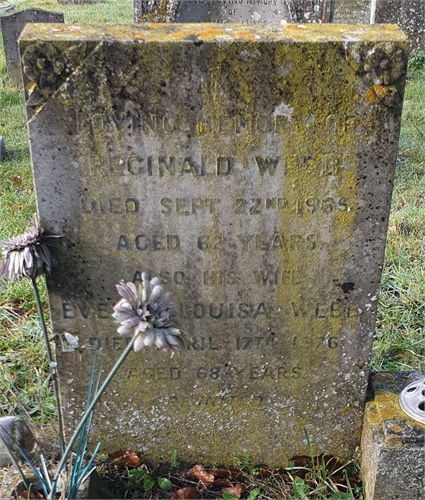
(351, 11)
(408, 14)
(239, 11)
(15, 434)
(309, 11)
(77, 2)
(11, 27)
(2, 149)
(250, 168)
(275, 11)
(392, 458)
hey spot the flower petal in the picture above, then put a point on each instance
(165, 301)
(155, 295)
(144, 326)
(139, 343)
(126, 293)
(146, 287)
(124, 330)
(150, 337)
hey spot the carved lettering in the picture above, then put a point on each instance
(261, 242)
(188, 206)
(217, 311)
(154, 243)
(274, 277)
(326, 310)
(84, 310)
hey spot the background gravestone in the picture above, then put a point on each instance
(11, 27)
(271, 11)
(250, 168)
(310, 11)
(352, 11)
(2, 149)
(408, 14)
(237, 11)
(77, 2)
(194, 11)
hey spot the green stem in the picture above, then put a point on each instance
(88, 412)
(52, 366)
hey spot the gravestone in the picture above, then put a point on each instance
(11, 27)
(235, 11)
(251, 169)
(198, 11)
(313, 11)
(351, 11)
(273, 11)
(77, 2)
(408, 14)
(2, 149)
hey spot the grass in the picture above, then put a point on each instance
(399, 335)
(400, 327)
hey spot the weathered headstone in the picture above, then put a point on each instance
(199, 11)
(313, 11)
(15, 434)
(77, 2)
(250, 168)
(408, 14)
(351, 11)
(12, 26)
(271, 11)
(235, 11)
(2, 149)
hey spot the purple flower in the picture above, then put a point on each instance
(27, 255)
(146, 311)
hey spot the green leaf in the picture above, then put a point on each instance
(164, 483)
(226, 495)
(148, 483)
(254, 494)
(339, 495)
(300, 489)
(136, 474)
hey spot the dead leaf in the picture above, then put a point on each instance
(230, 473)
(187, 493)
(218, 483)
(125, 457)
(236, 490)
(264, 473)
(300, 460)
(198, 473)
(29, 494)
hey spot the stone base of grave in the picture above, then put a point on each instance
(392, 447)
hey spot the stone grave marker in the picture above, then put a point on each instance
(236, 11)
(248, 12)
(2, 149)
(250, 168)
(77, 2)
(11, 27)
(408, 14)
(351, 11)
(198, 11)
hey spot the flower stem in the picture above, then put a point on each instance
(88, 412)
(52, 367)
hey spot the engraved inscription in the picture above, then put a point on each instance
(187, 206)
